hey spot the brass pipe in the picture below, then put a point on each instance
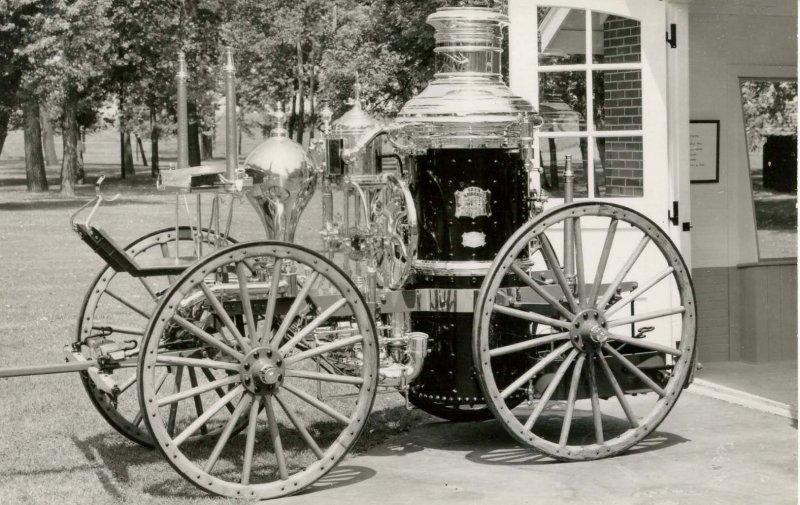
(183, 113)
(231, 155)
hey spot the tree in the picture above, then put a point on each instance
(62, 56)
(28, 48)
(770, 107)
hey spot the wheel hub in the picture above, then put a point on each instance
(588, 331)
(263, 370)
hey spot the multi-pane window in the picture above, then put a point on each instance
(590, 94)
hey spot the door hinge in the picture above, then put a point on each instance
(672, 36)
(673, 216)
(687, 226)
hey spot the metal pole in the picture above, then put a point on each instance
(569, 235)
(183, 114)
(231, 159)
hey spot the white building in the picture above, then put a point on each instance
(662, 71)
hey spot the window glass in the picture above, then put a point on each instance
(562, 36)
(554, 154)
(770, 118)
(562, 101)
(618, 100)
(619, 171)
(615, 39)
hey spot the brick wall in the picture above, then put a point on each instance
(622, 101)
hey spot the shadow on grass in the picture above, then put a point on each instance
(111, 457)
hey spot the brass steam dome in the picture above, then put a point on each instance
(284, 179)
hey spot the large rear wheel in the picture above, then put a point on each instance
(601, 376)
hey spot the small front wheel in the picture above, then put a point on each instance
(283, 347)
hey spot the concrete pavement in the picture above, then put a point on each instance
(706, 452)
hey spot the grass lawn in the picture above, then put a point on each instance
(56, 448)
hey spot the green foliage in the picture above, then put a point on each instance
(770, 108)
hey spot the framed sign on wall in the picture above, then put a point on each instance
(704, 150)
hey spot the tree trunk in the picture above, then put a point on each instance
(48, 142)
(293, 117)
(194, 135)
(35, 175)
(81, 149)
(312, 91)
(126, 154)
(207, 145)
(5, 115)
(300, 94)
(141, 149)
(69, 161)
(154, 134)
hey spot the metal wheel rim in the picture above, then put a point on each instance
(346, 438)
(682, 367)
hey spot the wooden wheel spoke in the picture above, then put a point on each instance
(572, 396)
(148, 288)
(537, 288)
(280, 457)
(173, 408)
(298, 423)
(128, 383)
(552, 263)
(644, 344)
(313, 325)
(551, 388)
(247, 307)
(226, 433)
(266, 335)
(531, 316)
(636, 371)
(224, 317)
(145, 314)
(198, 390)
(331, 346)
(617, 390)
(597, 416)
(208, 414)
(250, 440)
(601, 266)
(319, 405)
(636, 318)
(325, 377)
(538, 367)
(638, 292)
(220, 392)
(579, 268)
(198, 402)
(294, 308)
(202, 363)
(207, 337)
(612, 288)
(527, 344)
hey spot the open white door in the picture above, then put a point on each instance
(597, 72)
